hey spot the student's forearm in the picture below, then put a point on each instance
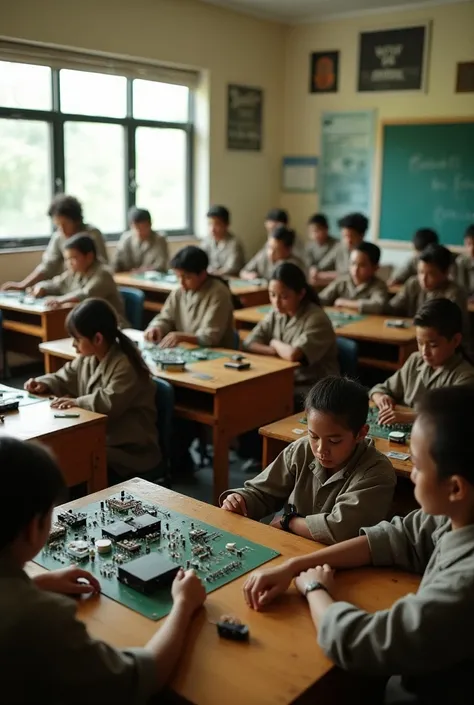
(354, 553)
(261, 349)
(319, 602)
(167, 644)
(299, 527)
(285, 351)
(69, 298)
(188, 338)
(36, 276)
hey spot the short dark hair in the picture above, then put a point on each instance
(66, 206)
(450, 411)
(294, 278)
(81, 243)
(344, 398)
(190, 259)
(319, 219)
(443, 315)
(424, 237)
(220, 212)
(372, 251)
(138, 215)
(469, 231)
(32, 484)
(284, 235)
(278, 215)
(439, 256)
(355, 221)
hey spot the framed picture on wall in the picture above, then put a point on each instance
(393, 59)
(244, 118)
(324, 72)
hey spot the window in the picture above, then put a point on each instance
(111, 140)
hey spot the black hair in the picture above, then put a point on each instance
(450, 412)
(138, 215)
(344, 398)
(294, 278)
(372, 251)
(439, 256)
(94, 316)
(32, 484)
(469, 231)
(220, 212)
(66, 206)
(190, 259)
(284, 235)
(355, 221)
(424, 237)
(445, 317)
(319, 219)
(278, 215)
(82, 243)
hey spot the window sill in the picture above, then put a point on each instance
(109, 240)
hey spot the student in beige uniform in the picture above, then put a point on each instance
(353, 229)
(200, 311)
(335, 480)
(423, 643)
(279, 249)
(84, 277)
(109, 377)
(297, 329)
(47, 654)
(141, 248)
(439, 362)
(225, 252)
(464, 265)
(321, 243)
(66, 212)
(421, 239)
(361, 289)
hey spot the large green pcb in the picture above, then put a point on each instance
(337, 318)
(378, 430)
(165, 278)
(244, 283)
(179, 355)
(20, 297)
(24, 398)
(217, 556)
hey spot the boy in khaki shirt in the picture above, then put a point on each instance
(353, 229)
(321, 243)
(335, 480)
(200, 311)
(226, 254)
(423, 643)
(279, 249)
(359, 290)
(464, 265)
(421, 239)
(141, 249)
(47, 654)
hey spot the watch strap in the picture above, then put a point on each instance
(314, 585)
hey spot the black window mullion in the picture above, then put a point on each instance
(131, 164)
(58, 136)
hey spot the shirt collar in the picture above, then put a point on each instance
(346, 470)
(455, 545)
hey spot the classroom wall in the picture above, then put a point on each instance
(452, 41)
(228, 48)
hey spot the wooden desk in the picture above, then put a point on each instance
(231, 402)
(371, 330)
(283, 662)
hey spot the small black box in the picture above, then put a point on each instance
(118, 531)
(145, 525)
(148, 573)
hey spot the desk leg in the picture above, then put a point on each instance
(52, 363)
(272, 447)
(221, 463)
(54, 324)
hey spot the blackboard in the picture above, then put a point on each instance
(427, 180)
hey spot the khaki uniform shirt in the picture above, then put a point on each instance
(425, 637)
(133, 253)
(464, 273)
(409, 384)
(338, 259)
(96, 282)
(335, 506)
(316, 253)
(407, 270)
(311, 331)
(207, 313)
(114, 388)
(372, 296)
(225, 256)
(263, 268)
(47, 655)
(52, 262)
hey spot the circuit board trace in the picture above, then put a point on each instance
(377, 430)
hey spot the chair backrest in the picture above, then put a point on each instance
(164, 400)
(347, 350)
(134, 300)
(236, 340)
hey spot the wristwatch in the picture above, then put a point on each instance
(314, 585)
(290, 512)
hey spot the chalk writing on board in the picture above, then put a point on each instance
(420, 163)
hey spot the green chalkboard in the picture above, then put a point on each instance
(427, 180)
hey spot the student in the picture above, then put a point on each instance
(84, 277)
(421, 239)
(279, 249)
(141, 248)
(353, 229)
(335, 478)
(226, 254)
(275, 218)
(108, 376)
(297, 329)
(439, 362)
(66, 212)
(320, 242)
(361, 289)
(423, 643)
(47, 654)
(464, 265)
(200, 311)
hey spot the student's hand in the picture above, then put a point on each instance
(36, 291)
(153, 335)
(346, 303)
(235, 503)
(323, 574)
(313, 274)
(63, 403)
(263, 586)
(387, 416)
(65, 582)
(391, 416)
(248, 276)
(12, 286)
(35, 387)
(171, 340)
(276, 523)
(188, 590)
(383, 401)
(53, 302)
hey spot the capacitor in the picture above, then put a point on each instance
(103, 545)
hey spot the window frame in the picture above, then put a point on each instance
(56, 120)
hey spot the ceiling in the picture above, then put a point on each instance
(294, 11)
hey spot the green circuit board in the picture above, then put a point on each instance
(164, 277)
(24, 398)
(20, 297)
(243, 283)
(338, 319)
(378, 430)
(179, 355)
(217, 556)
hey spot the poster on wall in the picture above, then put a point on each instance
(244, 118)
(393, 59)
(324, 72)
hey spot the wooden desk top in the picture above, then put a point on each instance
(283, 659)
(11, 302)
(36, 421)
(238, 287)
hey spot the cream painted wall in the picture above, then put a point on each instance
(452, 41)
(228, 47)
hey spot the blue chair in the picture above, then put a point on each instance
(164, 400)
(236, 340)
(347, 353)
(134, 300)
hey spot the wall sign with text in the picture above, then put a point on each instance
(244, 118)
(393, 59)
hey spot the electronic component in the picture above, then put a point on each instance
(57, 532)
(129, 545)
(237, 365)
(232, 628)
(148, 573)
(397, 323)
(197, 534)
(118, 531)
(146, 524)
(122, 504)
(73, 520)
(9, 405)
(397, 437)
(78, 549)
(103, 545)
